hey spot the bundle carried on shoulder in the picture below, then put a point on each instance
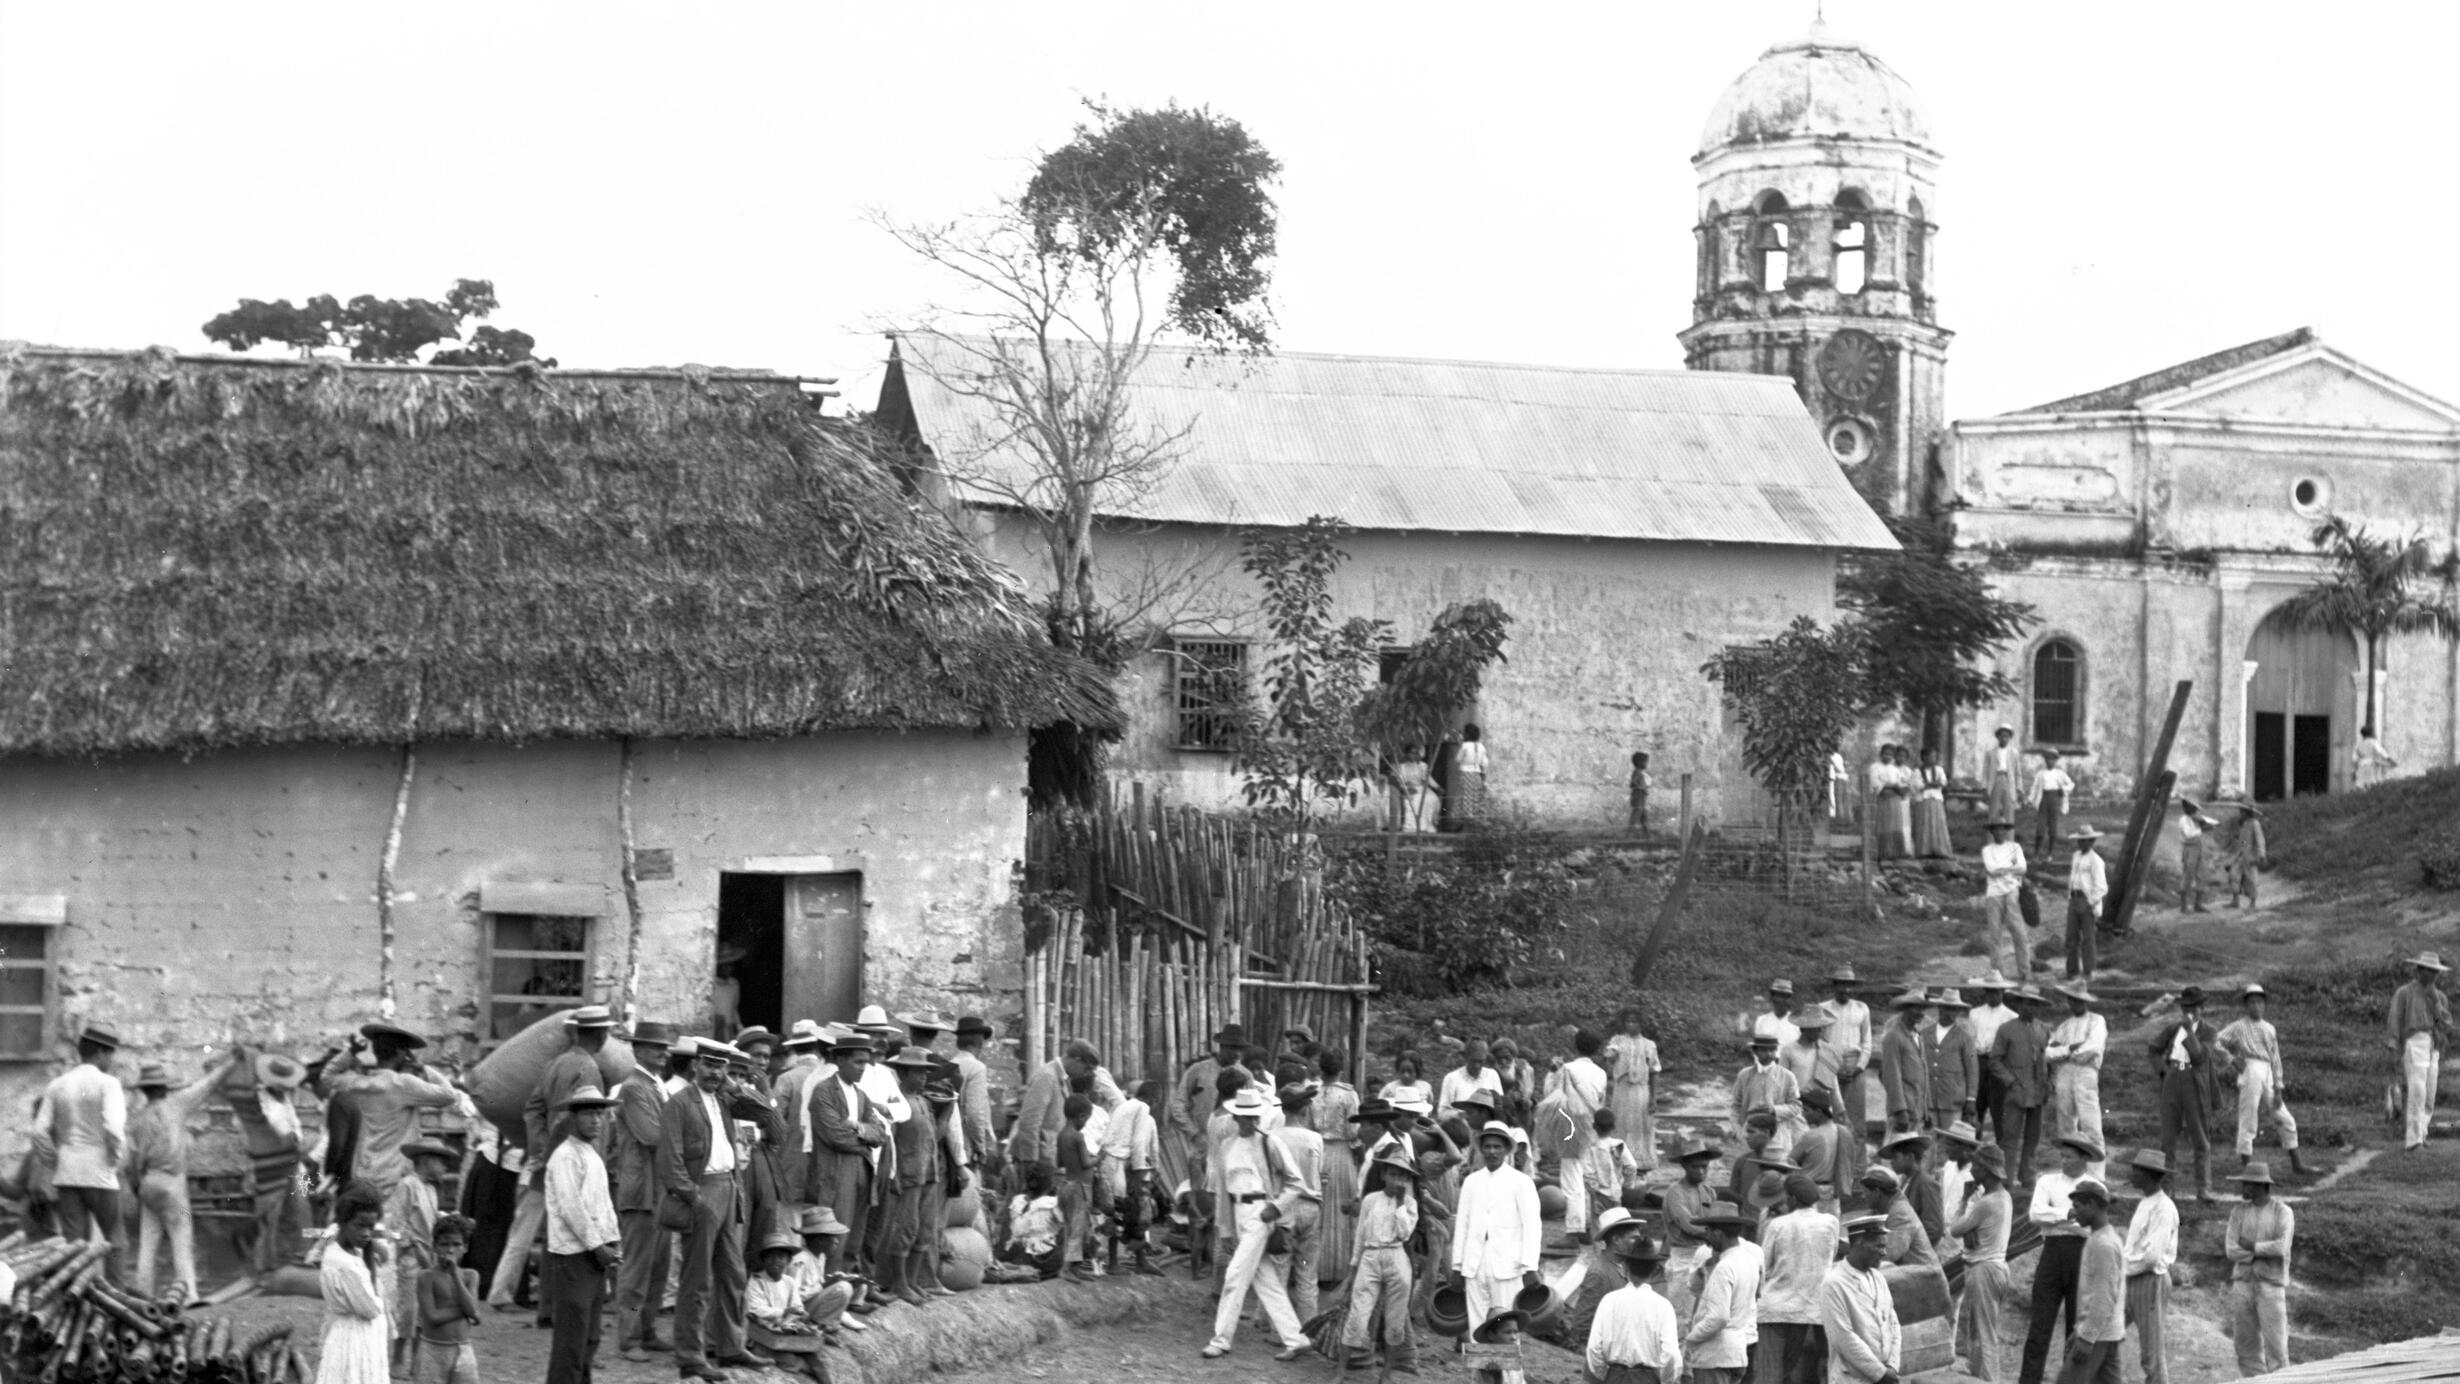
(500, 1084)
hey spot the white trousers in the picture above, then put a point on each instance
(1242, 1274)
(1487, 1296)
(2075, 1094)
(2417, 1064)
(162, 1211)
(2258, 1094)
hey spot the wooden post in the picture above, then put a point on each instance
(1870, 899)
(1682, 818)
(1671, 908)
(2144, 826)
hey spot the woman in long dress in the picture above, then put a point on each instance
(1899, 801)
(1881, 780)
(1930, 824)
(1469, 775)
(358, 1330)
(1334, 1107)
(1632, 1065)
(1566, 1124)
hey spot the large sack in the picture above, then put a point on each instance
(504, 1080)
(966, 1246)
(965, 1208)
(1920, 1295)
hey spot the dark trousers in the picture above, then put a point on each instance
(2046, 827)
(2055, 1281)
(850, 1202)
(2019, 1137)
(574, 1287)
(2083, 935)
(82, 1209)
(1986, 1108)
(709, 1293)
(1791, 1353)
(2094, 1362)
(2182, 1112)
(640, 1285)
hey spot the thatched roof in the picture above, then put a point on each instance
(207, 552)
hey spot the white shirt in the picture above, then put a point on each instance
(2003, 861)
(2191, 827)
(2087, 875)
(1725, 1318)
(1471, 758)
(2052, 1203)
(1986, 1020)
(2051, 781)
(1852, 1030)
(83, 1118)
(2152, 1236)
(1461, 1083)
(1496, 1226)
(721, 1137)
(2079, 1039)
(580, 1214)
(1785, 1029)
(1634, 1326)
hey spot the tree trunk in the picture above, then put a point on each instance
(2367, 709)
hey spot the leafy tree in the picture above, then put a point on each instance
(2377, 587)
(1795, 697)
(388, 330)
(1441, 674)
(1302, 747)
(1931, 623)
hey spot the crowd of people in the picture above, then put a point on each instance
(742, 1203)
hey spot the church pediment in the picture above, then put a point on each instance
(2315, 385)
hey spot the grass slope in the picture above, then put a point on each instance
(2347, 842)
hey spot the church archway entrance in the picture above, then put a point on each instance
(2301, 708)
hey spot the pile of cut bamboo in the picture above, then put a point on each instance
(1184, 922)
(70, 1325)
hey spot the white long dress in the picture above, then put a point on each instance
(358, 1330)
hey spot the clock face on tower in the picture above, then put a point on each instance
(1851, 364)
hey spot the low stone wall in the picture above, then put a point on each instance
(996, 1323)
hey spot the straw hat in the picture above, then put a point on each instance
(1248, 1104)
(819, 1220)
(2428, 961)
(589, 1016)
(2257, 1173)
(587, 1098)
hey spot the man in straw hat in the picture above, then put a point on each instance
(2003, 930)
(1909, 1241)
(1955, 1062)
(698, 1164)
(2151, 1247)
(2019, 1063)
(1780, 1018)
(640, 1285)
(2420, 1030)
(1990, 1010)
(2192, 824)
(269, 1126)
(2077, 1046)
(2261, 1227)
(1380, 1277)
(1904, 1062)
(1765, 1084)
(1192, 1102)
(1796, 1248)
(2088, 883)
(584, 1240)
(1813, 1056)
(2101, 1291)
(1857, 1043)
(1634, 1339)
(588, 1026)
(387, 1093)
(2188, 1055)
(158, 1167)
(1981, 1227)
(917, 1165)
(2056, 1275)
(1261, 1183)
(1820, 1149)
(1496, 1227)
(847, 1132)
(2262, 1088)
(1685, 1202)
(1857, 1310)
(1721, 1290)
(2000, 767)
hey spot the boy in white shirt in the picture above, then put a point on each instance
(2192, 824)
(2051, 785)
(2003, 929)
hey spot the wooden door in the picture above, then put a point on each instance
(2301, 700)
(824, 947)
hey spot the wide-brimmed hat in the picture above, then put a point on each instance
(1815, 1016)
(1949, 999)
(100, 1036)
(1640, 1250)
(1486, 1098)
(1397, 1158)
(1911, 999)
(1299, 1031)
(1496, 1129)
(722, 1051)
(1760, 1117)
(1725, 1213)
(2250, 991)
(152, 1074)
(1610, 1218)
(2427, 961)
(2084, 831)
(2075, 990)
(1374, 1108)
(911, 1056)
(804, 1033)
(649, 1033)
(819, 1220)
(1500, 1317)
(1780, 986)
(1843, 975)
(780, 1239)
(589, 1016)
(1880, 1179)
(2150, 1160)
(1297, 1093)
(849, 1040)
(1909, 1139)
(1231, 1036)
(1775, 1163)
(1249, 1103)
(1959, 1132)
(1991, 1158)
(2256, 1172)
(1694, 1148)
(970, 1025)
(587, 1098)
(2083, 1144)
(2089, 1189)
(757, 1033)
(871, 1016)
(281, 1073)
(1818, 1099)
(1862, 1223)
(374, 1033)
(2028, 994)
(1413, 1104)
(685, 1046)
(2191, 998)
(1992, 981)
(936, 1020)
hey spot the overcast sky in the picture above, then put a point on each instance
(2126, 185)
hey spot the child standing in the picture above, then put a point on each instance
(1380, 1277)
(357, 1327)
(410, 1213)
(1606, 1164)
(1077, 1169)
(2051, 785)
(2192, 824)
(1640, 783)
(447, 1308)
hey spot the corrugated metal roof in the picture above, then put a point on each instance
(1455, 446)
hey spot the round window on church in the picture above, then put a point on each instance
(2310, 494)
(1849, 442)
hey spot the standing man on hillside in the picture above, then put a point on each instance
(2263, 1088)
(1857, 1046)
(2101, 1291)
(1496, 1228)
(2076, 1048)
(2019, 1062)
(1779, 1020)
(158, 1169)
(1904, 1063)
(2003, 929)
(2151, 1246)
(1989, 1011)
(2420, 1030)
(2188, 1055)
(1765, 1084)
(1955, 1064)
(2257, 1243)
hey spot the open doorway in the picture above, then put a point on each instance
(790, 947)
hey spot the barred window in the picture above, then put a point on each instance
(2058, 684)
(1211, 687)
(536, 964)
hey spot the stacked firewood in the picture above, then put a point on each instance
(69, 1325)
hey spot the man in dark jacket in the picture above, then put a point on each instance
(2189, 1056)
(640, 1285)
(699, 1164)
(845, 1128)
(2019, 1063)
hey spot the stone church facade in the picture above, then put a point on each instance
(2156, 525)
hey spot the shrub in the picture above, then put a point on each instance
(1460, 922)
(2440, 858)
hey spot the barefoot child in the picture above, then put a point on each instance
(775, 1313)
(1078, 1165)
(447, 1308)
(1606, 1163)
(1380, 1277)
(357, 1328)
(410, 1213)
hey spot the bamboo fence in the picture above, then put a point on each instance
(1153, 927)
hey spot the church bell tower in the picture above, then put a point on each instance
(1817, 257)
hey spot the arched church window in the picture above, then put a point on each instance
(2058, 694)
(1709, 249)
(1917, 249)
(1851, 246)
(1772, 243)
